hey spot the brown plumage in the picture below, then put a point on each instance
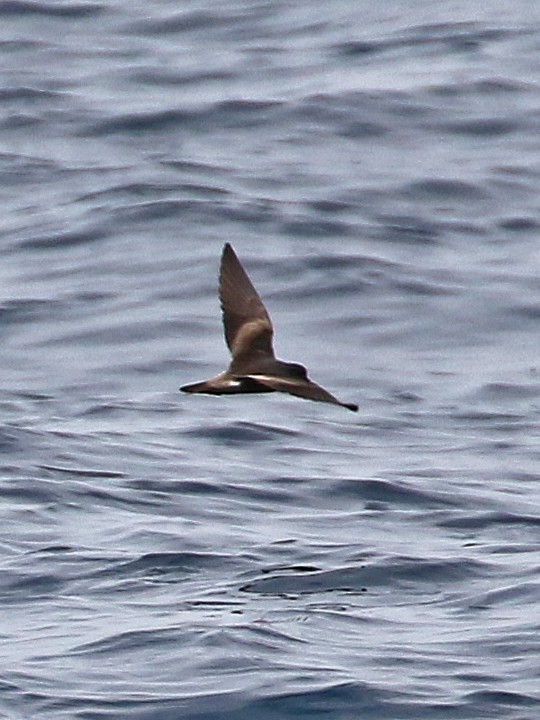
(248, 332)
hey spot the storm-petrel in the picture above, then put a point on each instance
(248, 331)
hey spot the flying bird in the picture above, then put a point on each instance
(248, 332)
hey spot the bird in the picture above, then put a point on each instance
(249, 332)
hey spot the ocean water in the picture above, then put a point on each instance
(377, 168)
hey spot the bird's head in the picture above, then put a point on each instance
(297, 370)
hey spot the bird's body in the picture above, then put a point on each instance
(249, 333)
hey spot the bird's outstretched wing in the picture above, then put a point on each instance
(248, 328)
(304, 389)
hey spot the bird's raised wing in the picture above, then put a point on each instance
(248, 328)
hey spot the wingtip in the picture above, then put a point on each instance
(351, 406)
(228, 254)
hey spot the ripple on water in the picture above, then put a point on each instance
(73, 11)
(366, 576)
(241, 433)
(169, 559)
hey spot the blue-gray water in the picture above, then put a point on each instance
(377, 168)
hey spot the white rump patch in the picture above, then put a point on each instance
(233, 383)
